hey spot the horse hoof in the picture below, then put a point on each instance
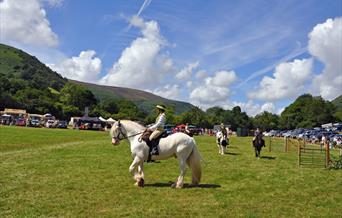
(141, 183)
(173, 185)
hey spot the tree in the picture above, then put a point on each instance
(266, 121)
(77, 96)
(196, 117)
(307, 111)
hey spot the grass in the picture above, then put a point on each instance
(70, 173)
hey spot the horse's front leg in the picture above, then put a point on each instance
(140, 175)
(133, 170)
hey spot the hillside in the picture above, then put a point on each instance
(16, 64)
(27, 83)
(338, 103)
(144, 100)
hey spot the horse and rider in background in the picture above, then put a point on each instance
(258, 142)
(222, 139)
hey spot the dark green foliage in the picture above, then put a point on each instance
(77, 96)
(338, 104)
(307, 112)
(196, 117)
(266, 121)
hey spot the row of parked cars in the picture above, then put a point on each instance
(38, 123)
(312, 135)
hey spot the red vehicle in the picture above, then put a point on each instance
(20, 122)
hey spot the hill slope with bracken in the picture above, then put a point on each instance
(26, 83)
(144, 100)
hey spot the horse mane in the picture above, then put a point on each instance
(133, 124)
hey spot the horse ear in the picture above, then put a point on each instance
(119, 124)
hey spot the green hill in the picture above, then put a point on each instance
(144, 100)
(338, 103)
(27, 83)
(16, 64)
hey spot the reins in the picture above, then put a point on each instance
(126, 137)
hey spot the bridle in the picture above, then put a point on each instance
(123, 134)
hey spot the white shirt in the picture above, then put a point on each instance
(160, 122)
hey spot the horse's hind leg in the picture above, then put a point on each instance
(182, 169)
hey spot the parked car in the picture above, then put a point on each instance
(20, 122)
(62, 124)
(50, 124)
(34, 123)
(169, 128)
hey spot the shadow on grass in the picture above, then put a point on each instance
(186, 185)
(231, 153)
(268, 157)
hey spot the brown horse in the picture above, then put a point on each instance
(258, 143)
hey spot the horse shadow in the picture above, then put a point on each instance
(268, 157)
(186, 185)
(231, 153)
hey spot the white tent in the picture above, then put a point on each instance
(102, 119)
(111, 120)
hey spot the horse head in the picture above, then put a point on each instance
(118, 132)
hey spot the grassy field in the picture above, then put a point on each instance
(69, 173)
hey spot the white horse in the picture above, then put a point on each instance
(222, 142)
(177, 145)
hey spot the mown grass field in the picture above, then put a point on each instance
(69, 173)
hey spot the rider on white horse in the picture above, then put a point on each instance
(158, 127)
(153, 133)
(178, 145)
(222, 139)
(223, 130)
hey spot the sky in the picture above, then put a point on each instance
(259, 55)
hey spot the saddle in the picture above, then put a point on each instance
(152, 144)
(260, 143)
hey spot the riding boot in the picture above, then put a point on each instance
(154, 148)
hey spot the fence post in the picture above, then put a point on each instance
(285, 147)
(299, 154)
(269, 147)
(327, 154)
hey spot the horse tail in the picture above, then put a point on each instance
(194, 162)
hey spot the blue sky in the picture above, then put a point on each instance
(259, 55)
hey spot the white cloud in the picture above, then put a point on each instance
(141, 65)
(325, 43)
(25, 22)
(201, 74)
(288, 81)
(168, 91)
(253, 109)
(186, 72)
(85, 67)
(214, 90)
